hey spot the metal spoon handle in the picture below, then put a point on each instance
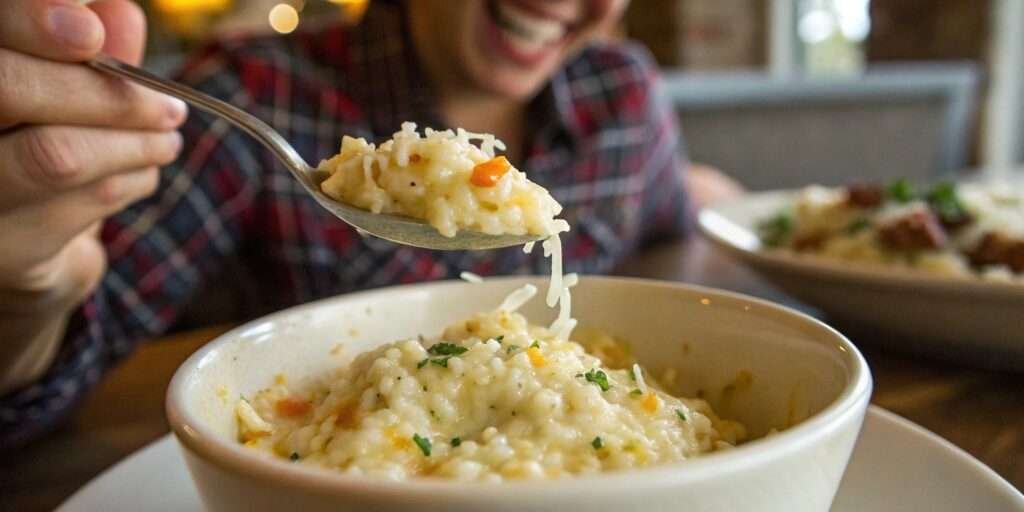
(236, 116)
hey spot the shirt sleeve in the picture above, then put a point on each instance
(666, 213)
(159, 252)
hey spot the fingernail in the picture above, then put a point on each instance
(75, 26)
(176, 142)
(177, 111)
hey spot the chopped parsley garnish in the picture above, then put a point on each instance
(446, 349)
(442, 362)
(535, 344)
(857, 226)
(945, 202)
(423, 443)
(294, 457)
(500, 339)
(632, 374)
(511, 348)
(597, 377)
(681, 414)
(636, 392)
(901, 191)
(596, 443)
(774, 231)
(456, 442)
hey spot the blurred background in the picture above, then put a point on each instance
(863, 88)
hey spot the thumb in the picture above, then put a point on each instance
(125, 25)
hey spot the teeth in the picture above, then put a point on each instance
(524, 45)
(532, 31)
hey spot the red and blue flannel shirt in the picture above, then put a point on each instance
(599, 137)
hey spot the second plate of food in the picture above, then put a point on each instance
(921, 300)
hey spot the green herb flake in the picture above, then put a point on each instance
(636, 392)
(446, 349)
(901, 191)
(294, 457)
(442, 362)
(422, 363)
(681, 414)
(535, 344)
(775, 231)
(456, 442)
(597, 443)
(500, 339)
(597, 377)
(945, 202)
(857, 226)
(511, 348)
(423, 443)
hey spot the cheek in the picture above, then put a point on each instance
(603, 13)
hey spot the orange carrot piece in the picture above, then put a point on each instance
(293, 406)
(488, 173)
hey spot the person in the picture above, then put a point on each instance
(99, 249)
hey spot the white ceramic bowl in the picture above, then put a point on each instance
(964, 319)
(802, 370)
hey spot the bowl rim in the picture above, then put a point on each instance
(712, 221)
(228, 455)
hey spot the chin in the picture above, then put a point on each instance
(512, 84)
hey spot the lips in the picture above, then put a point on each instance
(524, 35)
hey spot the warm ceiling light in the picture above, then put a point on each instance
(284, 18)
(192, 6)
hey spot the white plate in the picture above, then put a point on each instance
(896, 465)
(982, 321)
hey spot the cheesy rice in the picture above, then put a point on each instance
(492, 399)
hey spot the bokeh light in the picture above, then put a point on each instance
(284, 18)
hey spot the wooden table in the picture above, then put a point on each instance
(980, 411)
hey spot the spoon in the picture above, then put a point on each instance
(395, 228)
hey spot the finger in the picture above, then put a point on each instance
(40, 230)
(44, 160)
(36, 91)
(125, 28)
(52, 29)
(57, 283)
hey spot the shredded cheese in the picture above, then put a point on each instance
(516, 299)
(638, 376)
(471, 277)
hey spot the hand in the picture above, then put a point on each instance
(76, 148)
(708, 185)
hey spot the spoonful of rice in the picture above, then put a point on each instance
(437, 191)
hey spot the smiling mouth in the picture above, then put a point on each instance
(524, 29)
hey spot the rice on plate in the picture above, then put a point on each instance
(948, 230)
(494, 397)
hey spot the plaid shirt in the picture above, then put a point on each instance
(599, 138)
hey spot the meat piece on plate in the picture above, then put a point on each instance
(999, 249)
(915, 231)
(865, 195)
